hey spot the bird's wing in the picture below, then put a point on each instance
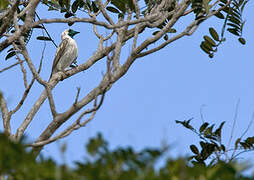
(59, 53)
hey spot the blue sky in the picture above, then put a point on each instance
(141, 108)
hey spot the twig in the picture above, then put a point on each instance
(76, 125)
(234, 122)
(23, 70)
(29, 86)
(4, 112)
(9, 67)
(46, 30)
(77, 96)
(201, 113)
(38, 78)
(248, 127)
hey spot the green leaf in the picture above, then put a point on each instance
(245, 145)
(194, 149)
(43, 38)
(237, 15)
(243, 5)
(209, 40)
(223, 148)
(210, 55)
(203, 126)
(250, 140)
(208, 132)
(237, 142)
(234, 31)
(67, 4)
(12, 53)
(112, 9)
(75, 6)
(155, 32)
(9, 50)
(185, 124)
(234, 25)
(224, 1)
(207, 45)
(61, 3)
(120, 4)
(68, 14)
(218, 131)
(94, 7)
(235, 20)
(219, 15)
(214, 34)
(226, 9)
(165, 37)
(4, 4)
(39, 27)
(204, 48)
(242, 40)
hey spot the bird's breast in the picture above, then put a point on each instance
(70, 54)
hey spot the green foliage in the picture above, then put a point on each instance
(4, 4)
(233, 23)
(120, 163)
(16, 162)
(231, 14)
(211, 144)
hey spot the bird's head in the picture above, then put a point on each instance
(69, 32)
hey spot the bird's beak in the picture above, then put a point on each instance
(75, 32)
(72, 32)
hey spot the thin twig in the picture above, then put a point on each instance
(13, 65)
(248, 127)
(77, 96)
(201, 113)
(234, 122)
(46, 30)
(76, 125)
(22, 70)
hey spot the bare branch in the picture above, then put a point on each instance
(248, 127)
(75, 126)
(22, 70)
(234, 122)
(105, 14)
(135, 2)
(38, 78)
(13, 65)
(9, 17)
(188, 31)
(54, 81)
(29, 86)
(152, 17)
(26, 27)
(125, 29)
(5, 117)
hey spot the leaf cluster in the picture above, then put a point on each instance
(211, 146)
(233, 23)
(103, 163)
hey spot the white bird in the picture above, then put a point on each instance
(67, 52)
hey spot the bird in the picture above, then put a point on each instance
(66, 53)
